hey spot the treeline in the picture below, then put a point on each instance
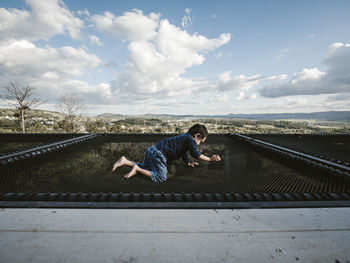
(47, 124)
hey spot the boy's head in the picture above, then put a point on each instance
(199, 132)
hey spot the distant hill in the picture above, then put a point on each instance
(318, 116)
(111, 115)
(326, 116)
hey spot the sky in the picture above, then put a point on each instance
(180, 57)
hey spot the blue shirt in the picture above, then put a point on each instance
(178, 146)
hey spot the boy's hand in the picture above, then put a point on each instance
(215, 158)
(193, 164)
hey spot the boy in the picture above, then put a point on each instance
(157, 156)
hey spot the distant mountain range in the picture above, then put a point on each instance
(318, 116)
(326, 115)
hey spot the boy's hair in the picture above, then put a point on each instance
(198, 128)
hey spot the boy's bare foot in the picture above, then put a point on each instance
(119, 163)
(132, 172)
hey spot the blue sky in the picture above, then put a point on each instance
(180, 57)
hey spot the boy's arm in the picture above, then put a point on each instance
(197, 154)
(214, 158)
(186, 158)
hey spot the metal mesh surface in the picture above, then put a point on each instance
(15, 142)
(336, 147)
(87, 168)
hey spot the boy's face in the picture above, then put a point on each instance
(198, 139)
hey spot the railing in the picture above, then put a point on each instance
(321, 165)
(37, 151)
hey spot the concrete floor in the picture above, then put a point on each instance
(102, 235)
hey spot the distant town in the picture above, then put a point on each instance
(41, 121)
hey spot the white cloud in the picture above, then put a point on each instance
(307, 75)
(135, 26)
(222, 97)
(337, 101)
(52, 71)
(88, 94)
(252, 96)
(187, 19)
(23, 58)
(338, 61)
(339, 97)
(307, 82)
(95, 40)
(49, 69)
(240, 96)
(49, 75)
(314, 82)
(83, 12)
(278, 77)
(184, 49)
(226, 82)
(159, 54)
(46, 19)
(219, 55)
(290, 101)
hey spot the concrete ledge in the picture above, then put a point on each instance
(175, 205)
(106, 235)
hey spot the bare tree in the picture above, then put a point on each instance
(21, 97)
(71, 106)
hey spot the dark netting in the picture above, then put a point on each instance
(332, 147)
(86, 167)
(13, 142)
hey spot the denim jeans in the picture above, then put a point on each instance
(155, 162)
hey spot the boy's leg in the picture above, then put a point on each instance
(156, 165)
(123, 161)
(137, 169)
